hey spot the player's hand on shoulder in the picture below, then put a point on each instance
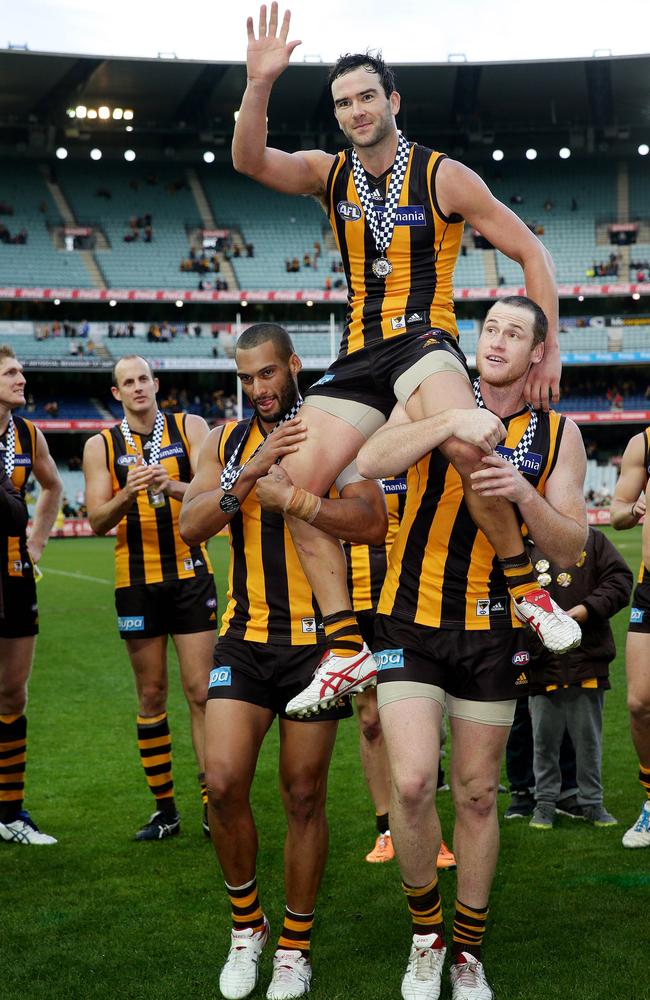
(544, 380)
(275, 489)
(268, 54)
(499, 478)
(284, 440)
(479, 427)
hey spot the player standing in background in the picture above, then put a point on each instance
(136, 476)
(397, 210)
(628, 507)
(23, 450)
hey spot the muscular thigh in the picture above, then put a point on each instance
(477, 752)
(411, 729)
(149, 662)
(234, 731)
(15, 663)
(331, 444)
(306, 751)
(637, 666)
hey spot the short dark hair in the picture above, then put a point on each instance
(540, 322)
(261, 333)
(128, 357)
(372, 62)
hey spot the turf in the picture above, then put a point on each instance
(99, 916)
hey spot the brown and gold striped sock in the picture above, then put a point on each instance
(425, 908)
(296, 932)
(204, 788)
(155, 746)
(644, 778)
(520, 578)
(469, 928)
(13, 754)
(245, 904)
(342, 633)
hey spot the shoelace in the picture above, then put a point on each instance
(469, 974)
(426, 962)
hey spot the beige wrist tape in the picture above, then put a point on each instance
(303, 504)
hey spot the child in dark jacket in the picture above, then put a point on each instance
(568, 691)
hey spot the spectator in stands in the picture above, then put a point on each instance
(250, 250)
(67, 508)
(130, 329)
(306, 260)
(90, 349)
(236, 252)
(328, 283)
(568, 691)
(147, 234)
(103, 192)
(516, 199)
(197, 330)
(549, 205)
(52, 408)
(574, 205)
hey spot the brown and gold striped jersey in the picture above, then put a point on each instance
(644, 571)
(14, 557)
(418, 294)
(442, 571)
(269, 598)
(149, 547)
(367, 564)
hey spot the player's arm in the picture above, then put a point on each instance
(196, 430)
(201, 515)
(461, 191)
(105, 510)
(49, 500)
(556, 521)
(13, 509)
(267, 57)
(629, 503)
(358, 515)
(403, 442)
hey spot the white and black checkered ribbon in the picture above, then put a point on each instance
(382, 225)
(10, 447)
(232, 471)
(156, 439)
(520, 451)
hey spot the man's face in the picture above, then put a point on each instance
(505, 351)
(364, 113)
(136, 387)
(268, 382)
(12, 383)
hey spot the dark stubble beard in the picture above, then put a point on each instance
(287, 396)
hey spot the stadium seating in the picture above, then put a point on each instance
(37, 262)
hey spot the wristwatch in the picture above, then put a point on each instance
(229, 503)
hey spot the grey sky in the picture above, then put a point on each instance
(406, 30)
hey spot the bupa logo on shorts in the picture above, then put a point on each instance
(531, 463)
(211, 602)
(406, 215)
(220, 677)
(170, 451)
(327, 377)
(636, 615)
(131, 623)
(127, 459)
(390, 659)
(521, 658)
(349, 211)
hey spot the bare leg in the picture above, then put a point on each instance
(637, 667)
(195, 659)
(149, 663)
(16, 657)
(373, 751)
(234, 732)
(476, 761)
(305, 754)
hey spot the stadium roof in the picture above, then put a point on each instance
(598, 105)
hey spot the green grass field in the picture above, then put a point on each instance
(99, 916)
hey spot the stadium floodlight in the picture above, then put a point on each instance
(643, 149)
(128, 115)
(104, 112)
(129, 128)
(71, 113)
(309, 303)
(61, 153)
(95, 154)
(531, 154)
(112, 302)
(80, 111)
(118, 114)
(581, 298)
(92, 113)
(208, 156)
(497, 154)
(129, 155)
(179, 303)
(244, 302)
(636, 296)
(57, 302)
(564, 153)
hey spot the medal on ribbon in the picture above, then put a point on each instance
(155, 499)
(382, 226)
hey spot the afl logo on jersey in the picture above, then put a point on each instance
(349, 211)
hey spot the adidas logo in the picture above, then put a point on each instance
(377, 195)
(522, 679)
(2, 447)
(198, 562)
(147, 446)
(498, 606)
(415, 318)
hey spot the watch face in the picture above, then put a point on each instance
(229, 503)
